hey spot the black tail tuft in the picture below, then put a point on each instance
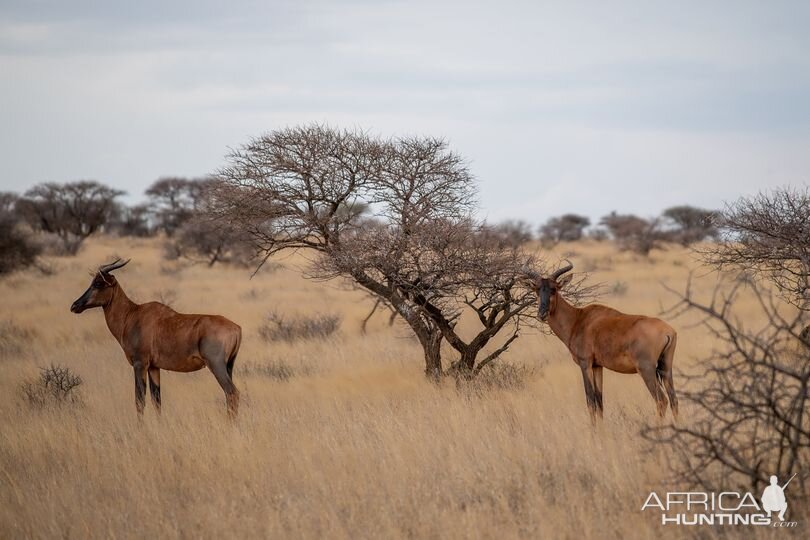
(659, 368)
(229, 366)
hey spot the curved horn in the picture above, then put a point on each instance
(115, 265)
(563, 270)
(531, 274)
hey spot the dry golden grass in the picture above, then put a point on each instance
(357, 444)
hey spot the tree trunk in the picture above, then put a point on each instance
(433, 356)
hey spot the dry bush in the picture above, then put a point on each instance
(251, 295)
(14, 338)
(510, 233)
(279, 370)
(500, 376)
(749, 401)
(768, 235)
(619, 288)
(55, 386)
(17, 249)
(277, 327)
(751, 398)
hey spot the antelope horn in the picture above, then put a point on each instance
(115, 265)
(563, 270)
(531, 274)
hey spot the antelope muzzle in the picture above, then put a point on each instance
(81, 303)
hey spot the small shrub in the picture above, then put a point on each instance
(509, 233)
(14, 338)
(250, 295)
(46, 268)
(279, 370)
(173, 269)
(55, 386)
(501, 376)
(278, 328)
(619, 288)
(18, 250)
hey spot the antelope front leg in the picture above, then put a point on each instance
(140, 386)
(597, 389)
(590, 394)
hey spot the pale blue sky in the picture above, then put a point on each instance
(559, 106)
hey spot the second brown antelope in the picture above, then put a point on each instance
(154, 337)
(601, 337)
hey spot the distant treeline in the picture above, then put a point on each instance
(57, 218)
(683, 224)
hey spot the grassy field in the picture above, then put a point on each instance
(351, 442)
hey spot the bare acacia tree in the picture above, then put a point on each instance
(688, 224)
(203, 240)
(132, 220)
(443, 269)
(391, 216)
(565, 228)
(769, 235)
(750, 405)
(634, 233)
(174, 200)
(71, 211)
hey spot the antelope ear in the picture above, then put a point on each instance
(565, 280)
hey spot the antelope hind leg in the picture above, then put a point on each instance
(216, 360)
(651, 380)
(140, 386)
(154, 387)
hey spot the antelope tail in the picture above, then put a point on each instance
(659, 368)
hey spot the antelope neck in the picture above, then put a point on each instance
(116, 311)
(563, 319)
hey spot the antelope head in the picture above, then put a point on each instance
(100, 291)
(547, 289)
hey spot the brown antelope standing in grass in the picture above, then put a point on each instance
(601, 337)
(156, 337)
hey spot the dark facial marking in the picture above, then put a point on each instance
(100, 281)
(546, 290)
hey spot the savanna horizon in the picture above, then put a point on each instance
(353, 442)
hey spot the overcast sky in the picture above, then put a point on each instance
(559, 106)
